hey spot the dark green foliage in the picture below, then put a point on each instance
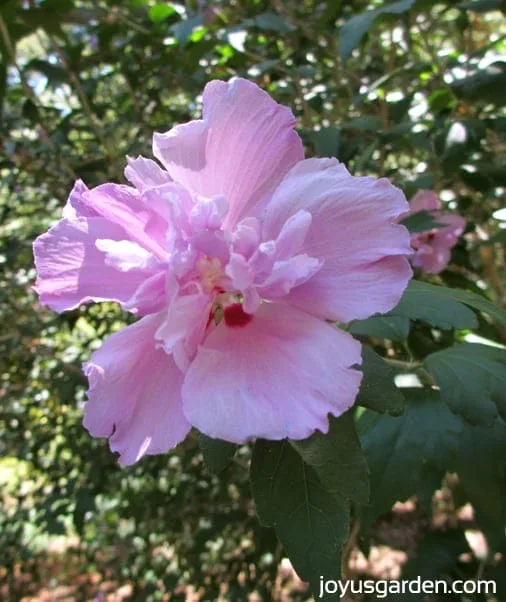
(378, 391)
(338, 460)
(472, 379)
(217, 454)
(399, 449)
(310, 522)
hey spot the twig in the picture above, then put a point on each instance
(348, 548)
(400, 365)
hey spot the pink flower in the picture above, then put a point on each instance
(433, 247)
(235, 254)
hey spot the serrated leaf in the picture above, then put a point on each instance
(338, 460)
(469, 298)
(434, 305)
(311, 524)
(398, 449)
(217, 453)
(472, 379)
(394, 328)
(355, 28)
(421, 222)
(378, 391)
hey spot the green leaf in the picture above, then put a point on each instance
(482, 6)
(498, 238)
(160, 12)
(378, 391)
(311, 524)
(183, 30)
(85, 502)
(217, 453)
(420, 222)
(338, 460)
(395, 328)
(474, 300)
(441, 100)
(398, 448)
(273, 22)
(486, 85)
(55, 74)
(326, 141)
(437, 305)
(472, 379)
(355, 28)
(481, 465)
(367, 123)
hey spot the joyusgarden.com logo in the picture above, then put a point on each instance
(383, 588)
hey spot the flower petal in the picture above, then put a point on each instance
(71, 269)
(145, 173)
(432, 258)
(135, 394)
(353, 231)
(183, 327)
(75, 206)
(242, 147)
(277, 374)
(124, 206)
(455, 226)
(424, 200)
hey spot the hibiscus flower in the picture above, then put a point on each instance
(235, 252)
(433, 247)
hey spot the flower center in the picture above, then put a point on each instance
(235, 316)
(211, 273)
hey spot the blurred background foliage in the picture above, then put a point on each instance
(414, 90)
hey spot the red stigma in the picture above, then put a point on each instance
(235, 316)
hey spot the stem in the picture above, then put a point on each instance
(348, 548)
(400, 365)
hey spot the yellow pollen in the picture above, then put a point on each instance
(211, 273)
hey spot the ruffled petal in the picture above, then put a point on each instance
(125, 207)
(71, 269)
(433, 248)
(134, 397)
(453, 229)
(183, 327)
(276, 374)
(432, 258)
(145, 173)
(353, 231)
(424, 200)
(75, 206)
(242, 147)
